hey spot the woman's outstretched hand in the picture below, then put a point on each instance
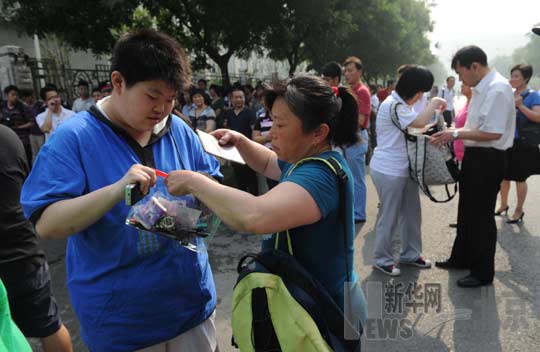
(227, 137)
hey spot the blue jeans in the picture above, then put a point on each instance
(356, 158)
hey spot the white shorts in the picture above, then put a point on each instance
(201, 338)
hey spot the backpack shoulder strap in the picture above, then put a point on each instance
(336, 167)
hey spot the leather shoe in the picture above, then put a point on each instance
(448, 264)
(471, 281)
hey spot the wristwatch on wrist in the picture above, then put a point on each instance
(455, 134)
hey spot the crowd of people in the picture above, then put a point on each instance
(64, 172)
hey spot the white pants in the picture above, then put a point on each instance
(400, 206)
(201, 338)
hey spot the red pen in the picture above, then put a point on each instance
(161, 173)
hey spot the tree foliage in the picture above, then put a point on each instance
(389, 33)
(84, 25)
(383, 33)
(215, 30)
(527, 54)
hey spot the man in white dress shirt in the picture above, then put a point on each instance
(489, 131)
(447, 93)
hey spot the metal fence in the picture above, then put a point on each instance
(65, 78)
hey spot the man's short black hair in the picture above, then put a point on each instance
(354, 60)
(48, 88)
(466, 56)
(82, 82)
(202, 80)
(96, 90)
(413, 80)
(449, 78)
(11, 88)
(332, 70)
(148, 55)
(217, 89)
(236, 88)
(390, 82)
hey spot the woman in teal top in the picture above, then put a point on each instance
(309, 118)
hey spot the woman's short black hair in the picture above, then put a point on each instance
(414, 79)
(526, 71)
(314, 102)
(148, 55)
(193, 92)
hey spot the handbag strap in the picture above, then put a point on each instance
(395, 119)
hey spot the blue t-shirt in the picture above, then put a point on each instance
(320, 247)
(530, 99)
(130, 289)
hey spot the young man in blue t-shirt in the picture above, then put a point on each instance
(130, 289)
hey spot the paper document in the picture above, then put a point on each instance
(212, 146)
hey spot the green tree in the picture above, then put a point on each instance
(384, 33)
(208, 29)
(306, 31)
(83, 25)
(389, 33)
(217, 30)
(527, 54)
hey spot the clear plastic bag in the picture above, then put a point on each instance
(183, 219)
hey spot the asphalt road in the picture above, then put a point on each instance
(422, 310)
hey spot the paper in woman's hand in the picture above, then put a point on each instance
(211, 146)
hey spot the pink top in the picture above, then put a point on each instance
(461, 118)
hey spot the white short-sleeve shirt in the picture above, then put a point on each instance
(82, 105)
(448, 95)
(57, 120)
(390, 156)
(492, 109)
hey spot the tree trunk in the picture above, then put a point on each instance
(223, 62)
(224, 68)
(293, 63)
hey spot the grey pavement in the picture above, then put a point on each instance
(436, 316)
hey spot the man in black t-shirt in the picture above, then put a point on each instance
(23, 267)
(14, 115)
(242, 119)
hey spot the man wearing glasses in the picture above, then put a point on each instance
(55, 114)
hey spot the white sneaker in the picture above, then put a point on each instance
(391, 269)
(421, 262)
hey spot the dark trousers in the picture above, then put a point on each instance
(246, 178)
(448, 116)
(474, 247)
